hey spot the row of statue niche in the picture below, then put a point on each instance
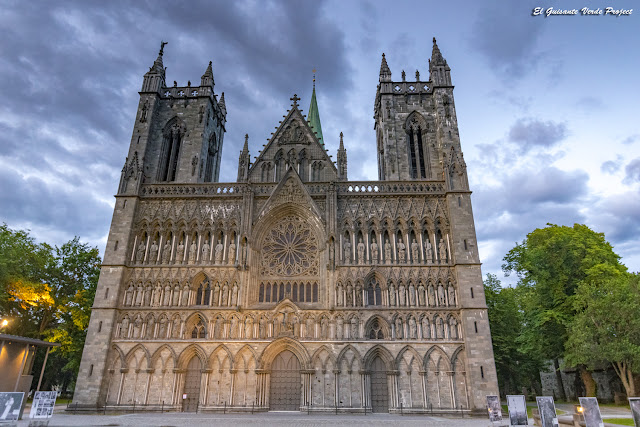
(431, 296)
(441, 255)
(285, 324)
(177, 295)
(191, 257)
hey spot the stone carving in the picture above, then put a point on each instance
(414, 252)
(153, 253)
(347, 251)
(180, 253)
(387, 252)
(361, 252)
(401, 295)
(176, 295)
(157, 295)
(218, 252)
(358, 295)
(290, 249)
(243, 252)
(218, 328)
(441, 296)
(167, 295)
(185, 296)
(124, 327)
(413, 328)
(354, 328)
(339, 328)
(412, 295)
(426, 328)
(225, 295)
(401, 252)
(432, 296)
(166, 253)
(442, 250)
(143, 113)
(175, 328)
(162, 328)
(421, 295)
(192, 252)
(128, 298)
(248, 328)
(137, 327)
(392, 295)
(440, 328)
(147, 296)
(216, 294)
(234, 295)
(139, 294)
(428, 249)
(232, 253)
(206, 249)
(349, 295)
(398, 328)
(140, 253)
(339, 296)
(262, 327)
(452, 295)
(374, 251)
(453, 328)
(309, 328)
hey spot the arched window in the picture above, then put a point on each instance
(281, 293)
(268, 296)
(198, 330)
(173, 134)
(370, 294)
(375, 330)
(261, 293)
(315, 292)
(212, 154)
(308, 294)
(294, 297)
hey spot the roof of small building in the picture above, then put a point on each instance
(25, 340)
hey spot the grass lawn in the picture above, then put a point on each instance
(619, 421)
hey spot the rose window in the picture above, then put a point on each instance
(290, 249)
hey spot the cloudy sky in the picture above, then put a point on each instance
(547, 106)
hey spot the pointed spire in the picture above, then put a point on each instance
(207, 77)
(245, 148)
(341, 141)
(342, 160)
(158, 67)
(222, 104)
(385, 72)
(314, 114)
(154, 78)
(436, 56)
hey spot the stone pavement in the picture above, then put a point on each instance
(263, 419)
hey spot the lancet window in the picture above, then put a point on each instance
(173, 135)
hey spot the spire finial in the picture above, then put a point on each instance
(162, 44)
(295, 100)
(314, 78)
(341, 142)
(385, 72)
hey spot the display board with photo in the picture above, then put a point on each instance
(517, 410)
(43, 404)
(547, 411)
(591, 412)
(634, 403)
(10, 404)
(494, 408)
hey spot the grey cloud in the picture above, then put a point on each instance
(610, 166)
(590, 103)
(529, 133)
(631, 139)
(632, 171)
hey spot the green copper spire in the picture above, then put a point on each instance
(314, 114)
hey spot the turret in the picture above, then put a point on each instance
(342, 161)
(314, 114)
(440, 73)
(244, 161)
(385, 72)
(154, 78)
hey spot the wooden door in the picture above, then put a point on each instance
(379, 391)
(192, 380)
(285, 383)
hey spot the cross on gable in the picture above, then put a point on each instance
(295, 100)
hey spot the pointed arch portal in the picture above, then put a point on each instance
(379, 391)
(286, 383)
(192, 385)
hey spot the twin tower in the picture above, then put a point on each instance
(292, 288)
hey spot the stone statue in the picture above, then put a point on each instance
(441, 297)
(413, 328)
(432, 296)
(354, 328)
(349, 295)
(453, 328)
(309, 328)
(216, 294)
(153, 253)
(180, 253)
(167, 295)
(192, 252)
(143, 113)
(219, 249)
(339, 328)
(392, 295)
(331, 253)
(157, 295)
(219, 328)
(412, 295)
(426, 328)
(124, 327)
(440, 328)
(139, 294)
(162, 329)
(401, 252)
(442, 252)
(347, 252)
(176, 295)
(166, 253)
(401, 295)
(374, 251)
(175, 329)
(261, 327)
(206, 249)
(248, 328)
(137, 327)
(128, 298)
(452, 295)
(140, 253)
(233, 333)
(243, 252)
(358, 295)
(414, 252)
(360, 252)
(234, 295)
(398, 328)
(421, 295)
(225, 295)
(387, 252)
(232, 253)
(339, 296)
(185, 296)
(324, 328)
(428, 249)
(147, 296)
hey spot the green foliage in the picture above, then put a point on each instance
(47, 293)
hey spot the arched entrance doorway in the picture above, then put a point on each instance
(285, 383)
(192, 385)
(379, 391)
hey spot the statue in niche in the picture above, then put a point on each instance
(218, 328)
(216, 294)
(261, 327)
(201, 113)
(243, 252)
(295, 326)
(428, 249)
(339, 328)
(157, 295)
(339, 296)
(412, 295)
(192, 252)
(374, 251)
(432, 296)
(143, 113)
(153, 253)
(205, 252)
(401, 252)
(440, 328)
(442, 252)
(167, 295)
(137, 327)
(360, 252)
(128, 297)
(162, 329)
(140, 253)
(232, 253)
(309, 327)
(234, 295)
(354, 328)
(441, 295)
(392, 295)
(166, 253)
(331, 253)
(358, 295)
(233, 332)
(139, 294)
(413, 328)
(414, 252)
(225, 295)
(176, 295)
(147, 296)
(398, 328)
(175, 329)
(401, 295)
(421, 295)
(218, 251)
(347, 252)
(349, 295)
(387, 252)
(324, 328)
(124, 327)
(185, 296)
(452, 295)
(426, 328)
(180, 253)
(453, 328)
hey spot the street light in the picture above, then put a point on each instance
(4, 323)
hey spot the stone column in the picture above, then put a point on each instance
(453, 392)
(425, 401)
(233, 381)
(123, 372)
(205, 397)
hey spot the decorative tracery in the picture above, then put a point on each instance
(290, 249)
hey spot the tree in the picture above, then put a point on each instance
(550, 264)
(606, 327)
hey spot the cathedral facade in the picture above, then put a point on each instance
(292, 288)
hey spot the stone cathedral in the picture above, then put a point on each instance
(292, 288)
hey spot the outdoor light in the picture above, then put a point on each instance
(580, 409)
(4, 323)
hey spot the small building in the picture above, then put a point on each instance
(16, 362)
